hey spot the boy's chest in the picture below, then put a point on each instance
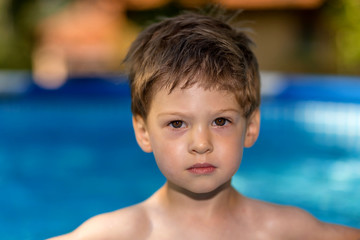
(207, 230)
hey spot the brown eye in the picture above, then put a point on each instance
(220, 121)
(176, 124)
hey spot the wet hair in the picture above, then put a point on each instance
(192, 49)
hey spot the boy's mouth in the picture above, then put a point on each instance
(202, 168)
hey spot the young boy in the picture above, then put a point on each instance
(195, 102)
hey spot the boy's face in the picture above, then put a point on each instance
(197, 136)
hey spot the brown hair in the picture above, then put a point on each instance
(192, 49)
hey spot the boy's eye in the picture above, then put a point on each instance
(176, 124)
(220, 121)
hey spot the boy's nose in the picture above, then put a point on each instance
(200, 141)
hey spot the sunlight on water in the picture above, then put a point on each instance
(337, 122)
(344, 171)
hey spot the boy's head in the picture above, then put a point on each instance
(192, 49)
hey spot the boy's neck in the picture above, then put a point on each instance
(220, 201)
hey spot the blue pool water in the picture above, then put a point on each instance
(69, 154)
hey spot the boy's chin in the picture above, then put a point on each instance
(201, 192)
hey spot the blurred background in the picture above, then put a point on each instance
(59, 38)
(67, 150)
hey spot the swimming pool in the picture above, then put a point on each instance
(69, 154)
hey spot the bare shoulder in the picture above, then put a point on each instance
(288, 222)
(121, 224)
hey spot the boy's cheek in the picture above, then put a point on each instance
(169, 148)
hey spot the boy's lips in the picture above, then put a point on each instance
(202, 168)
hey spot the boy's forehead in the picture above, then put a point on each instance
(194, 95)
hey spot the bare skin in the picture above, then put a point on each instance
(226, 214)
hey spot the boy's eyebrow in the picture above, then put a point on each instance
(171, 113)
(220, 111)
(228, 110)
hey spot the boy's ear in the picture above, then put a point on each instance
(252, 129)
(141, 134)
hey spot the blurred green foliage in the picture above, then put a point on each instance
(16, 29)
(18, 20)
(344, 17)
